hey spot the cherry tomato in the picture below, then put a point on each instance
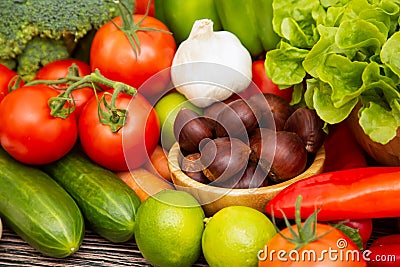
(6, 76)
(128, 148)
(112, 53)
(332, 249)
(59, 69)
(265, 84)
(28, 132)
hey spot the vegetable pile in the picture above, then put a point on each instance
(346, 55)
(94, 95)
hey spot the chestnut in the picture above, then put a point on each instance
(192, 167)
(189, 129)
(223, 157)
(309, 126)
(252, 177)
(272, 107)
(213, 110)
(290, 157)
(280, 154)
(237, 119)
(263, 144)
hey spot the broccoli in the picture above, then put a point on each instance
(38, 52)
(23, 20)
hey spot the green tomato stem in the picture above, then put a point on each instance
(129, 27)
(62, 105)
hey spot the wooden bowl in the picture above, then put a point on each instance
(388, 154)
(214, 198)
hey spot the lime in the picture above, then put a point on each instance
(167, 108)
(235, 235)
(168, 228)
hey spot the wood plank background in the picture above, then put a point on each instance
(97, 251)
(94, 251)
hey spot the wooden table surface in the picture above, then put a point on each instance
(96, 251)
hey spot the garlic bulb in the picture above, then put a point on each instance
(210, 66)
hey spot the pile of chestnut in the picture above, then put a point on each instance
(249, 143)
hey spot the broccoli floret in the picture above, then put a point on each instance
(38, 52)
(9, 63)
(22, 20)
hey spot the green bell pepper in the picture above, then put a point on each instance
(249, 20)
(179, 15)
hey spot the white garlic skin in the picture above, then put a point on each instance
(210, 66)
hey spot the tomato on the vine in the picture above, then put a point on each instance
(131, 145)
(6, 77)
(28, 131)
(59, 69)
(113, 54)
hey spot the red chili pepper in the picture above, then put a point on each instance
(342, 150)
(359, 193)
(384, 252)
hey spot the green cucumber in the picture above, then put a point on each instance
(39, 210)
(107, 203)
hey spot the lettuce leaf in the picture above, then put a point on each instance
(390, 53)
(284, 65)
(347, 51)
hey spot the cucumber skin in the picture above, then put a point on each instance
(107, 203)
(40, 211)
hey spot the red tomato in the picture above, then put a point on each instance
(28, 132)
(385, 251)
(364, 229)
(6, 76)
(59, 69)
(112, 53)
(141, 7)
(334, 249)
(265, 84)
(127, 148)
